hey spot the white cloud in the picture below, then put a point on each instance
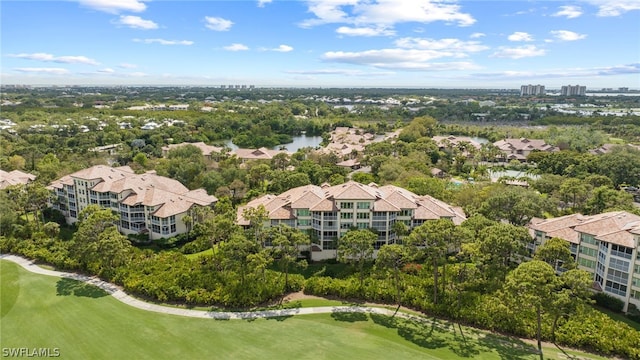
(341, 72)
(402, 59)
(456, 47)
(58, 59)
(364, 31)
(520, 36)
(137, 74)
(281, 48)
(518, 52)
(128, 66)
(384, 12)
(106, 71)
(115, 6)
(262, 3)
(51, 71)
(615, 7)
(477, 35)
(236, 47)
(217, 23)
(567, 72)
(164, 42)
(566, 35)
(569, 11)
(136, 22)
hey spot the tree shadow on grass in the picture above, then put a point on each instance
(508, 348)
(67, 287)
(418, 332)
(349, 316)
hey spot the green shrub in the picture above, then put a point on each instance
(608, 302)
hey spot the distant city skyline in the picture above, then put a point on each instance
(322, 43)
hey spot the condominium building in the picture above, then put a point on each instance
(146, 203)
(570, 90)
(328, 212)
(526, 90)
(605, 245)
(15, 177)
(519, 149)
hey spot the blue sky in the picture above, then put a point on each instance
(343, 43)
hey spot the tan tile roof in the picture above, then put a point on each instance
(353, 191)
(606, 223)
(104, 172)
(386, 198)
(523, 144)
(384, 205)
(147, 189)
(325, 205)
(14, 177)
(622, 237)
(616, 227)
(258, 154)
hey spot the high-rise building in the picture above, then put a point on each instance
(526, 90)
(570, 90)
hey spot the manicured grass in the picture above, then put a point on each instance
(85, 323)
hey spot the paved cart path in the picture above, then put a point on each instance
(123, 297)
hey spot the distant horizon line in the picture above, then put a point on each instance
(247, 88)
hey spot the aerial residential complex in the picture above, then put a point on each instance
(328, 212)
(147, 203)
(606, 245)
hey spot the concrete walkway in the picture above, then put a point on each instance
(123, 297)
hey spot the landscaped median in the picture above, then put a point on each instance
(74, 314)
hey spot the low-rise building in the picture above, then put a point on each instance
(328, 212)
(605, 245)
(146, 203)
(519, 149)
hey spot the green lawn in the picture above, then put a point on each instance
(85, 323)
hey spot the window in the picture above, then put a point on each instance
(364, 205)
(363, 225)
(617, 276)
(303, 212)
(346, 215)
(406, 212)
(363, 215)
(619, 264)
(589, 239)
(346, 226)
(616, 288)
(621, 251)
(304, 222)
(587, 263)
(346, 205)
(588, 251)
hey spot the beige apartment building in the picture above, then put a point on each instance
(606, 245)
(328, 212)
(146, 203)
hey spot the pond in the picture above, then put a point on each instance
(299, 142)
